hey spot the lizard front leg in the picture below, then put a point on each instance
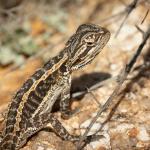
(66, 112)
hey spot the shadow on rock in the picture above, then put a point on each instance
(88, 80)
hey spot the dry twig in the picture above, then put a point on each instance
(128, 9)
(145, 16)
(94, 87)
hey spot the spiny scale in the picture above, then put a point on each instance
(30, 109)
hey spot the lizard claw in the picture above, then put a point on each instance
(69, 114)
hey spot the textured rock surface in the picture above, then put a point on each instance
(129, 126)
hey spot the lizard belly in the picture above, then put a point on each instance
(50, 100)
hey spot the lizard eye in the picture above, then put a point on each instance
(90, 43)
(90, 40)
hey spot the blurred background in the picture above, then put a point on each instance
(31, 32)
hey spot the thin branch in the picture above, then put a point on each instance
(113, 16)
(145, 16)
(94, 97)
(94, 87)
(128, 9)
(139, 29)
(122, 76)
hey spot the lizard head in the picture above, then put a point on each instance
(85, 44)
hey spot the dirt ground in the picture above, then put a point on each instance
(33, 32)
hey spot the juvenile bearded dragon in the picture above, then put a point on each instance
(31, 107)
